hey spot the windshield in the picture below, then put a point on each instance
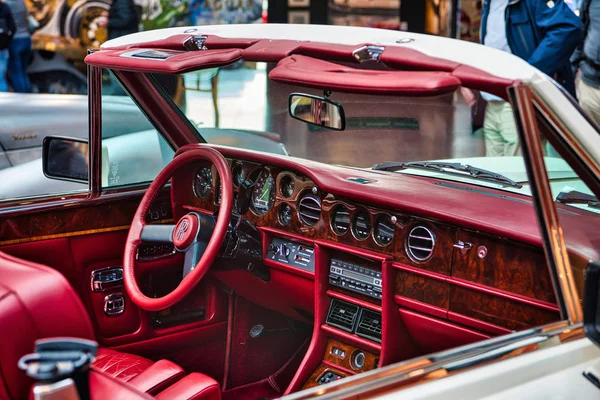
(239, 106)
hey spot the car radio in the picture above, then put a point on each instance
(355, 278)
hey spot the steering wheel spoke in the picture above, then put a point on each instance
(193, 255)
(157, 233)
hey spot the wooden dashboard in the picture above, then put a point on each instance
(493, 284)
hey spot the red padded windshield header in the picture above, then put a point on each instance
(311, 72)
(401, 61)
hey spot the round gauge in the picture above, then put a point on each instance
(285, 214)
(203, 182)
(286, 186)
(263, 193)
(362, 225)
(238, 175)
(384, 230)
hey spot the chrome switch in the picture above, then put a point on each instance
(107, 278)
(114, 304)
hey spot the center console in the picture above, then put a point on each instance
(349, 291)
(357, 327)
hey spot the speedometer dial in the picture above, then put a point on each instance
(203, 182)
(263, 192)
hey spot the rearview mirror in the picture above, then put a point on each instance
(317, 111)
(65, 159)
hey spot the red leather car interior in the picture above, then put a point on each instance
(38, 302)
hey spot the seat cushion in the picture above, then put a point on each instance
(157, 377)
(195, 386)
(119, 365)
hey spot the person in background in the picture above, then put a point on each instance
(19, 50)
(465, 26)
(476, 22)
(586, 59)
(544, 33)
(122, 19)
(7, 31)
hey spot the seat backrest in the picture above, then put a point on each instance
(35, 302)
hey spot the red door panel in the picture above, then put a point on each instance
(80, 239)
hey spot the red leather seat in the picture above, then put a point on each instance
(37, 302)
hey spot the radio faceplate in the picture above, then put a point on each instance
(355, 278)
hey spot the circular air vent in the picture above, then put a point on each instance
(362, 225)
(309, 209)
(340, 220)
(420, 244)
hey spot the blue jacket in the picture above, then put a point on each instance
(544, 33)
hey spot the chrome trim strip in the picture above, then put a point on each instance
(439, 365)
(555, 247)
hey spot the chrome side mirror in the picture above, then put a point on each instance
(65, 159)
(317, 110)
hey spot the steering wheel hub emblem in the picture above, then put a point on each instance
(185, 231)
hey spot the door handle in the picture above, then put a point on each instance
(464, 247)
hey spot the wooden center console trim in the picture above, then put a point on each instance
(338, 365)
(351, 338)
(371, 359)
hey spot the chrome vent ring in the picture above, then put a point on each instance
(309, 209)
(420, 244)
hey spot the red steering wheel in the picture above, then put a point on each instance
(198, 236)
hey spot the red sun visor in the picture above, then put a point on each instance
(166, 61)
(314, 73)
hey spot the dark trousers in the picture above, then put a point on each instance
(19, 54)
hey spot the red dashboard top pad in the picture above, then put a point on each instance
(167, 61)
(311, 72)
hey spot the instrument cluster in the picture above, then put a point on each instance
(256, 186)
